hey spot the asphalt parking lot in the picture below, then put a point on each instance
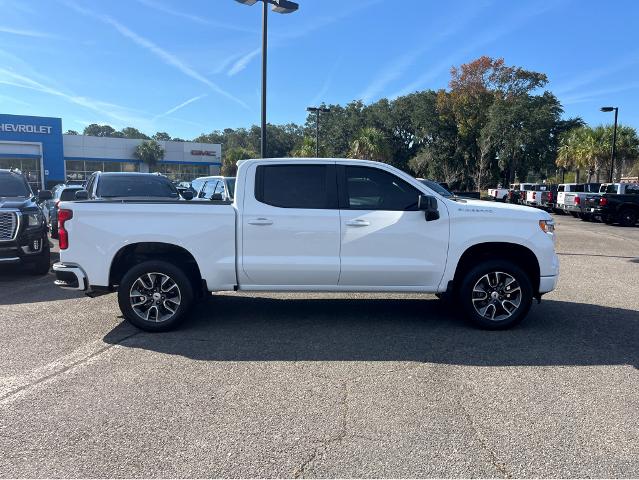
(329, 385)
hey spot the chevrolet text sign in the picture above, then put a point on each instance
(17, 128)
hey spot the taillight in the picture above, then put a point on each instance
(510, 194)
(550, 196)
(534, 195)
(577, 200)
(603, 201)
(63, 235)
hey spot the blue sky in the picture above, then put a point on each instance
(192, 66)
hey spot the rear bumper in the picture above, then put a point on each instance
(548, 284)
(70, 277)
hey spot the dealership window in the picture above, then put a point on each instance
(82, 169)
(30, 167)
(181, 171)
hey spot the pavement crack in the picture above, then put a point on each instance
(307, 465)
(500, 467)
(55, 369)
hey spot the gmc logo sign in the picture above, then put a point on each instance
(205, 153)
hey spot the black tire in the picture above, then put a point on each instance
(574, 214)
(628, 217)
(42, 265)
(585, 217)
(608, 219)
(157, 269)
(488, 268)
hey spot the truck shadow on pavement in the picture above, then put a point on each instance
(239, 328)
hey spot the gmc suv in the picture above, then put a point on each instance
(23, 229)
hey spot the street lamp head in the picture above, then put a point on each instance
(283, 6)
(247, 2)
(607, 109)
(325, 109)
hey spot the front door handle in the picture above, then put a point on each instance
(260, 221)
(358, 223)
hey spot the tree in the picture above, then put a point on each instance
(370, 144)
(232, 156)
(149, 151)
(71, 132)
(96, 130)
(161, 137)
(134, 133)
(306, 149)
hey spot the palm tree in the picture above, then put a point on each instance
(149, 152)
(370, 144)
(306, 150)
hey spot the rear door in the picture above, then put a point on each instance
(385, 240)
(291, 226)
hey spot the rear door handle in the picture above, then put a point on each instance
(260, 221)
(358, 223)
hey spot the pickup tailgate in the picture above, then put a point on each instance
(98, 230)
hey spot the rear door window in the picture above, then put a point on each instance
(118, 186)
(296, 186)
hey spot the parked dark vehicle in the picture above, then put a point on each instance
(616, 208)
(23, 229)
(109, 186)
(62, 193)
(517, 192)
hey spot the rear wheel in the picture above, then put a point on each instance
(628, 217)
(574, 214)
(496, 294)
(155, 296)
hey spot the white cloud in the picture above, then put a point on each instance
(193, 18)
(24, 33)
(243, 62)
(167, 57)
(180, 106)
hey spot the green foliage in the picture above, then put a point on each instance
(130, 132)
(231, 157)
(161, 137)
(370, 144)
(71, 132)
(306, 149)
(149, 151)
(589, 149)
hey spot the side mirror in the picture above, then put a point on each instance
(187, 194)
(44, 195)
(81, 195)
(428, 204)
(216, 197)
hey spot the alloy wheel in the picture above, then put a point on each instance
(155, 297)
(496, 296)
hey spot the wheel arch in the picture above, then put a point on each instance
(520, 255)
(135, 253)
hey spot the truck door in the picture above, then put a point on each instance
(386, 241)
(291, 226)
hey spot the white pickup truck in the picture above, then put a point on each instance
(309, 225)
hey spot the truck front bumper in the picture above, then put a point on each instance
(70, 277)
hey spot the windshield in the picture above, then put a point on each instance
(231, 186)
(437, 188)
(112, 186)
(13, 186)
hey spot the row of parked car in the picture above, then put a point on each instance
(607, 202)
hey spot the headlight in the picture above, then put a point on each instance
(548, 226)
(35, 219)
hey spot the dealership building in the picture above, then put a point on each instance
(37, 146)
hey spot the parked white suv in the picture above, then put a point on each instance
(310, 225)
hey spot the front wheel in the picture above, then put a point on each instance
(155, 296)
(496, 294)
(42, 264)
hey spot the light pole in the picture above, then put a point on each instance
(614, 140)
(279, 6)
(317, 111)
